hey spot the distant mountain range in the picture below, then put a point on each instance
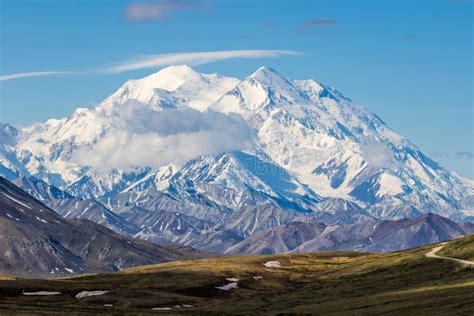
(280, 231)
(368, 236)
(212, 162)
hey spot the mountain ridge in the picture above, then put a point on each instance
(36, 241)
(267, 148)
(369, 236)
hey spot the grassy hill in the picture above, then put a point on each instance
(462, 248)
(321, 283)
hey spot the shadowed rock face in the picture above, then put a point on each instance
(278, 240)
(372, 235)
(36, 241)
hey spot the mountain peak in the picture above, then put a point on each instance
(172, 77)
(173, 86)
(267, 74)
(178, 69)
(430, 217)
(265, 69)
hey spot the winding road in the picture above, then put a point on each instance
(432, 254)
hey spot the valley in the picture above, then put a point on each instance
(335, 283)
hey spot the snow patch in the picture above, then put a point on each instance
(232, 279)
(15, 200)
(83, 294)
(15, 218)
(233, 285)
(41, 220)
(41, 293)
(272, 264)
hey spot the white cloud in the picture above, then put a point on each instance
(157, 61)
(33, 74)
(141, 137)
(193, 59)
(377, 155)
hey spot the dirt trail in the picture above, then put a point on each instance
(432, 254)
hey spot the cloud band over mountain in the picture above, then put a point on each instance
(198, 58)
(167, 137)
(160, 60)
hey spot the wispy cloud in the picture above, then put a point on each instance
(161, 60)
(33, 74)
(155, 10)
(459, 155)
(308, 26)
(377, 155)
(193, 59)
(465, 155)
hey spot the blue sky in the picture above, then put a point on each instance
(410, 62)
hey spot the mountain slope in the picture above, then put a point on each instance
(93, 211)
(37, 241)
(10, 165)
(340, 149)
(41, 190)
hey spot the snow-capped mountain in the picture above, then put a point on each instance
(172, 87)
(340, 149)
(230, 157)
(10, 167)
